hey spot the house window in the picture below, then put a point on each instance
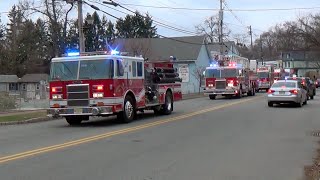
(24, 87)
(38, 86)
(140, 67)
(13, 87)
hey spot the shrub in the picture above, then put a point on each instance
(6, 102)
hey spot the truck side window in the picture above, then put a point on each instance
(140, 69)
(120, 68)
(134, 68)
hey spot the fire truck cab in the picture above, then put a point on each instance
(229, 79)
(105, 84)
(265, 77)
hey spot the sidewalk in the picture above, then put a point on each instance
(20, 112)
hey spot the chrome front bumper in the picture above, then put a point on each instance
(79, 111)
(220, 92)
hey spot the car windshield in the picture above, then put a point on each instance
(66, 70)
(96, 69)
(263, 74)
(284, 85)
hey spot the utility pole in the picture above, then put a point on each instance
(250, 33)
(261, 50)
(221, 28)
(80, 24)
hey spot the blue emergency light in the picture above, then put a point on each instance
(115, 52)
(73, 53)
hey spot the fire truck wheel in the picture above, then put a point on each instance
(73, 120)
(129, 112)
(168, 104)
(212, 97)
(239, 95)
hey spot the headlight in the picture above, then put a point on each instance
(210, 85)
(56, 96)
(230, 84)
(97, 95)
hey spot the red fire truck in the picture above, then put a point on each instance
(229, 79)
(265, 77)
(277, 74)
(104, 84)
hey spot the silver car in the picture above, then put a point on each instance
(287, 91)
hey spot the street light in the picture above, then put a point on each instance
(110, 3)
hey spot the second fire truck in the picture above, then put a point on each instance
(100, 84)
(230, 79)
(265, 77)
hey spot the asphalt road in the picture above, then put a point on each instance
(228, 139)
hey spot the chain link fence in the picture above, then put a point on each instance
(35, 99)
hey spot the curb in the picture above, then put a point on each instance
(33, 120)
(43, 119)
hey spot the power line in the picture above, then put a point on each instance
(215, 9)
(156, 22)
(96, 8)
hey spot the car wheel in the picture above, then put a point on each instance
(299, 104)
(305, 102)
(270, 104)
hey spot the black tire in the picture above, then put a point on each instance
(299, 104)
(254, 92)
(212, 97)
(250, 93)
(312, 97)
(167, 108)
(270, 104)
(239, 95)
(305, 102)
(73, 120)
(128, 113)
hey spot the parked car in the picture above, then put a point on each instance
(287, 91)
(307, 84)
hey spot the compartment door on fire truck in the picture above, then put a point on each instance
(136, 79)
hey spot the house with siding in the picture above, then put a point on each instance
(9, 83)
(300, 62)
(33, 86)
(189, 55)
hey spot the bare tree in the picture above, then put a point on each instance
(198, 74)
(210, 28)
(57, 20)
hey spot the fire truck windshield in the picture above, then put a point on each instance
(263, 74)
(89, 69)
(66, 70)
(96, 69)
(222, 73)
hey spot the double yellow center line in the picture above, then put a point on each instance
(113, 133)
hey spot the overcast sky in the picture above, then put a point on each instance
(187, 19)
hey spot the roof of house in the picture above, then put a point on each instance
(8, 78)
(34, 78)
(157, 49)
(228, 47)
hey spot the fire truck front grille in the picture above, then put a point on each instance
(78, 95)
(220, 84)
